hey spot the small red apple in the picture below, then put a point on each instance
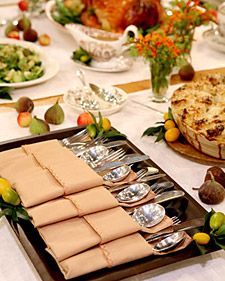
(84, 118)
(23, 5)
(14, 35)
(44, 40)
(24, 119)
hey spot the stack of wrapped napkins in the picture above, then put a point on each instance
(81, 222)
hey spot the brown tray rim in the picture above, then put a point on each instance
(42, 261)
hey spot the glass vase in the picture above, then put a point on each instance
(160, 80)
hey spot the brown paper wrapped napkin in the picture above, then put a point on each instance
(37, 188)
(112, 224)
(83, 263)
(57, 155)
(93, 200)
(21, 167)
(165, 223)
(117, 252)
(8, 156)
(68, 238)
(126, 249)
(52, 211)
(41, 146)
(75, 176)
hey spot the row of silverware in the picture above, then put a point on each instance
(111, 160)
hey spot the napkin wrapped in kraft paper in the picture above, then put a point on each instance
(93, 200)
(52, 211)
(75, 176)
(82, 203)
(21, 167)
(68, 238)
(112, 224)
(8, 156)
(55, 154)
(37, 188)
(46, 146)
(117, 252)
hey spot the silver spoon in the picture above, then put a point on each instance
(170, 242)
(117, 174)
(149, 215)
(133, 193)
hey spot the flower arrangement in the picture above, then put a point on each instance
(183, 17)
(162, 53)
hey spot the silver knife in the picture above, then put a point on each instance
(128, 160)
(149, 178)
(190, 224)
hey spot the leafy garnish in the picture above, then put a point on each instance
(82, 56)
(13, 212)
(5, 93)
(157, 131)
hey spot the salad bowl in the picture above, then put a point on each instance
(50, 65)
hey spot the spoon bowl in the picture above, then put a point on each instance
(170, 242)
(149, 215)
(117, 174)
(133, 193)
(94, 154)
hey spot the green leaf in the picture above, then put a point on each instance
(170, 115)
(21, 213)
(160, 135)
(5, 93)
(222, 246)
(100, 120)
(202, 249)
(6, 212)
(114, 133)
(152, 131)
(94, 118)
(206, 227)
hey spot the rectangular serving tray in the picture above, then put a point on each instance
(45, 264)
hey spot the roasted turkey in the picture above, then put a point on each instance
(114, 15)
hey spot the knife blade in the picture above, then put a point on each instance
(187, 225)
(149, 178)
(128, 160)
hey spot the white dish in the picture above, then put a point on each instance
(214, 39)
(105, 108)
(51, 66)
(117, 64)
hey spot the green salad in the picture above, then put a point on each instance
(19, 64)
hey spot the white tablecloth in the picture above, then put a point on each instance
(132, 120)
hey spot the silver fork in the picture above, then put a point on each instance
(78, 137)
(80, 147)
(115, 155)
(156, 236)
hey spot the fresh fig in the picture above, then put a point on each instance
(9, 28)
(55, 114)
(24, 23)
(38, 126)
(24, 104)
(211, 192)
(30, 35)
(218, 173)
(187, 72)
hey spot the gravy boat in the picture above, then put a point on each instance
(100, 44)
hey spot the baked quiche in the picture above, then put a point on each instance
(198, 109)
